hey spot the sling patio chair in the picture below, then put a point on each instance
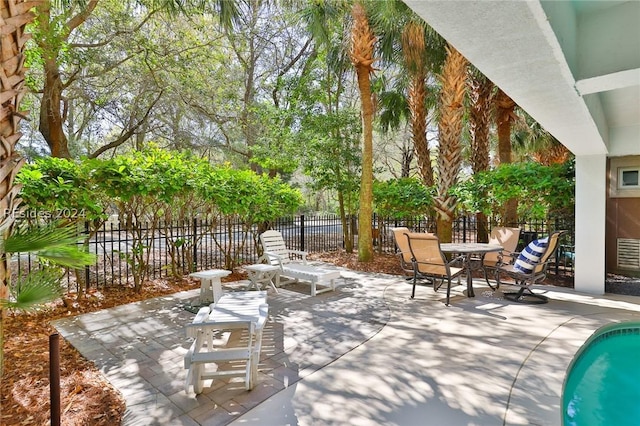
(507, 238)
(428, 261)
(405, 253)
(403, 249)
(529, 268)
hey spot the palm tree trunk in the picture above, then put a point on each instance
(505, 114)
(414, 51)
(361, 54)
(480, 89)
(450, 148)
(12, 57)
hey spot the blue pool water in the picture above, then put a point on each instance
(602, 386)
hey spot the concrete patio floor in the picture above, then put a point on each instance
(363, 355)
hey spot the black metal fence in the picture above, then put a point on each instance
(175, 249)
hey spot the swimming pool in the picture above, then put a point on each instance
(602, 385)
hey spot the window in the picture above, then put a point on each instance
(629, 177)
(624, 177)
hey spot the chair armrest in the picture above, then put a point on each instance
(264, 312)
(269, 257)
(456, 259)
(512, 255)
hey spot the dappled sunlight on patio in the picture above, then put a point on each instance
(366, 352)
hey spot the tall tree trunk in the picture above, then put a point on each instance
(361, 54)
(51, 120)
(52, 110)
(505, 107)
(407, 158)
(414, 51)
(12, 44)
(450, 148)
(51, 115)
(480, 89)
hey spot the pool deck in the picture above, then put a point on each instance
(365, 354)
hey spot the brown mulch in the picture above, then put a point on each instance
(87, 398)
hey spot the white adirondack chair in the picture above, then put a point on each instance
(293, 264)
(243, 312)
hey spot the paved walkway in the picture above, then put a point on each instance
(363, 355)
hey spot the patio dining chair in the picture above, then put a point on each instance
(403, 249)
(507, 238)
(529, 268)
(429, 262)
(404, 252)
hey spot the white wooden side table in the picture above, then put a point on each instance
(261, 274)
(210, 285)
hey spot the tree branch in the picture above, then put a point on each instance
(81, 17)
(126, 135)
(114, 35)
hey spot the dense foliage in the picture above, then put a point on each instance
(540, 190)
(148, 189)
(402, 198)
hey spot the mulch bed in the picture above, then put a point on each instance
(87, 398)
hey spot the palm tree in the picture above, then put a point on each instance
(505, 116)
(531, 140)
(414, 52)
(452, 80)
(421, 55)
(480, 89)
(11, 93)
(361, 54)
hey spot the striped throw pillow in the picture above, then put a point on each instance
(530, 256)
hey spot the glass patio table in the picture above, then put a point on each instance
(468, 250)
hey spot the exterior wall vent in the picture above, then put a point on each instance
(628, 253)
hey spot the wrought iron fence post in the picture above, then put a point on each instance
(302, 232)
(87, 271)
(195, 246)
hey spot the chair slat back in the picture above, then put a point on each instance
(273, 242)
(425, 249)
(506, 237)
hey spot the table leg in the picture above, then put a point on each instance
(272, 280)
(467, 261)
(254, 279)
(210, 290)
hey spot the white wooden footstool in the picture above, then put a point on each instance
(210, 285)
(261, 274)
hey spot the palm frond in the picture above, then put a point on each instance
(36, 238)
(68, 256)
(34, 289)
(51, 243)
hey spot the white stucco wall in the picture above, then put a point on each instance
(590, 222)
